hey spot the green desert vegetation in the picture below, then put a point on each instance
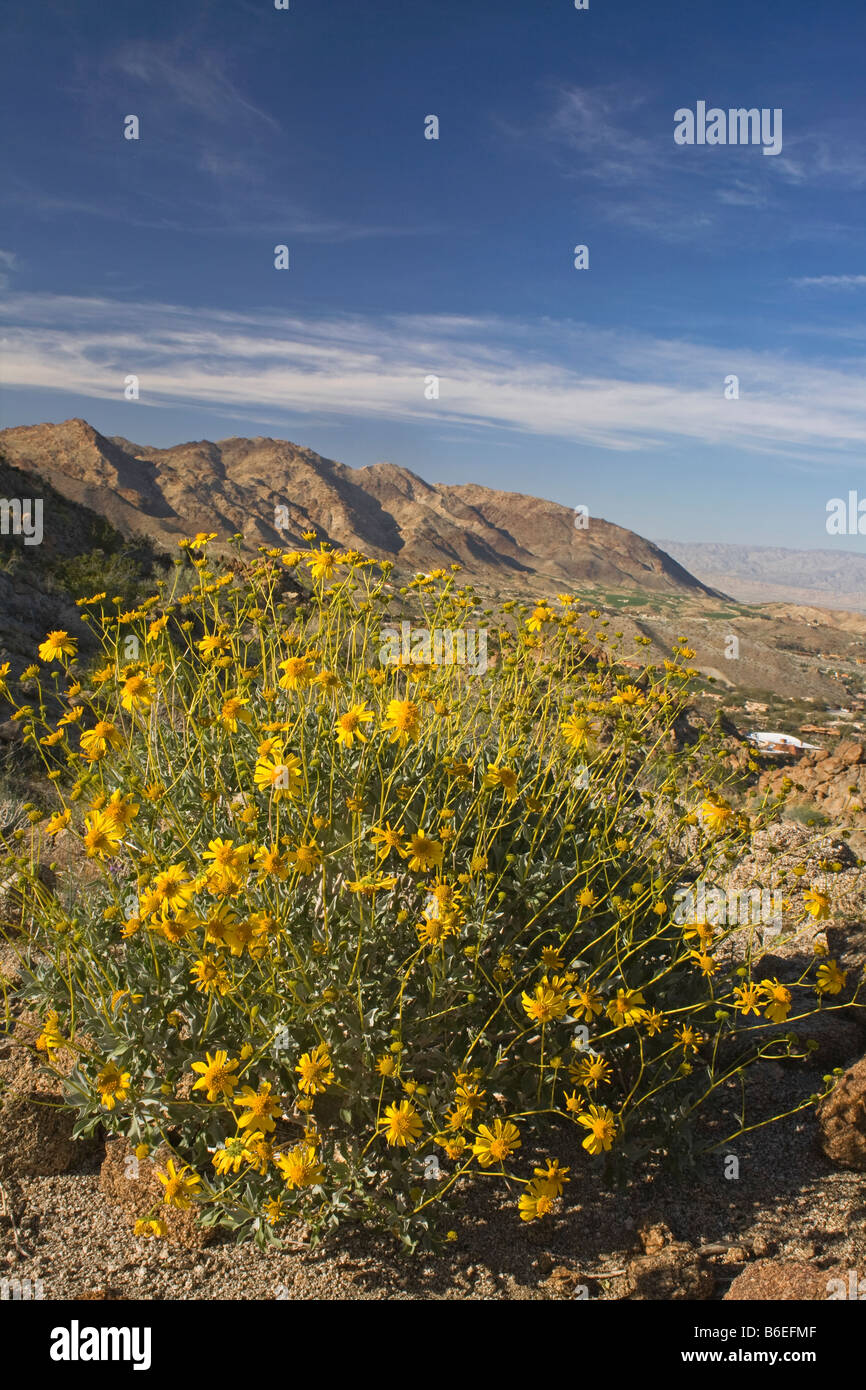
(360, 931)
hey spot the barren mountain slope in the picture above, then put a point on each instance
(235, 485)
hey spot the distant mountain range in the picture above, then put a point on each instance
(505, 539)
(772, 574)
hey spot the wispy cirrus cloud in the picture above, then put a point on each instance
(8, 262)
(830, 282)
(262, 213)
(232, 173)
(608, 388)
(616, 137)
(193, 78)
(601, 125)
(833, 156)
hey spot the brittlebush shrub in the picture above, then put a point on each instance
(359, 932)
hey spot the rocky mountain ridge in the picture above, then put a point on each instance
(237, 486)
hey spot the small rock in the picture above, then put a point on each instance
(831, 1040)
(842, 1117)
(137, 1190)
(35, 1126)
(675, 1273)
(735, 1255)
(654, 1237)
(839, 1039)
(777, 1281)
(762, 1246)
(562, 1280)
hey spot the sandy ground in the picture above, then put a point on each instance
(788, 1203)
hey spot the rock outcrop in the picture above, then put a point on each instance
(834, 783)
(842, 1117)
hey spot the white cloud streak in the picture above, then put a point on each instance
(563, 380)
(8, 262)
(192, 78)
(831, 282)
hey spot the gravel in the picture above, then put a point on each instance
(787, 1204)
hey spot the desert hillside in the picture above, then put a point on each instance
(236, 485)
(509, 545)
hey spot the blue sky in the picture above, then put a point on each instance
(454, 258)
